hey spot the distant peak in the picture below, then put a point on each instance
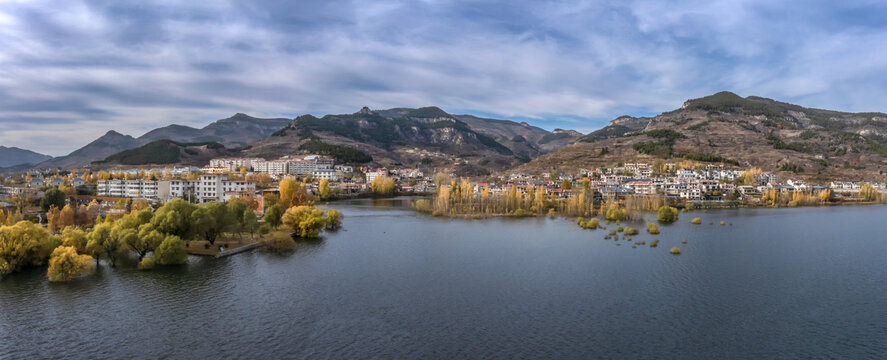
(429, 112)
(113, 133)
(365, 110)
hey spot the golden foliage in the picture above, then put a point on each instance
(305, 221)
(868, 193)
(23, 244)
(652, 228)
(324, 189)
(383, 185)
(65, 264)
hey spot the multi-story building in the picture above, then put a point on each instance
(232, 164)
(271, 167)
(302, 167)
(328, 174)
(168, 190)
(214, 170)
(212, 187)
(139, 189)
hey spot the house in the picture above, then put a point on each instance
(78, 182)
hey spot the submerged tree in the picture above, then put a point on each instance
(65, 264)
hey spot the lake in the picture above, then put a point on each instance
(777, 283)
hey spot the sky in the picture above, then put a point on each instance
(71, 70)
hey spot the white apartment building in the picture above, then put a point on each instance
(168, 190)
(212, 187)
(271, 167)
(139, 189)
(328, 174)
(302, 167)
(232, 164)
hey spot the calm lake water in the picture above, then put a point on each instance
(786, 283)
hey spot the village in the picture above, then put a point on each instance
(225, 178)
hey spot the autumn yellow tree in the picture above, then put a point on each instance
(825, 195)
(74, 237)
(23, 244)
(65, 264)
(66, 217)
(293, 193)
(323, 189)
(868, 193)
(305, 221)
(383, 185)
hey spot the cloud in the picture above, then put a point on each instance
(72, 70)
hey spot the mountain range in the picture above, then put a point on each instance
(794, 141)
(393, 137)
(723, 128)
(410, 137)
(233, 132)
(13, 156)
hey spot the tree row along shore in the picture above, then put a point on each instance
(76, 241)
(465, 199)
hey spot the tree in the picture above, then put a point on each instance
(293, 193)
(566, 184)
(868, 193)
(667, 214)
(305, 221)
(65, 264)
(273, 216)
(383, 185)
(52, 197)
(211, 219)
(23, 244)
(324, 189)
(66, 217)
(333, 219)
(287, 191)
(248, 222)
(100, 243)
(171, 252)
(147, 239)
(825, 195)
(74, 237)
(173, 218)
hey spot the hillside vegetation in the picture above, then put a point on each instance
(725, 128)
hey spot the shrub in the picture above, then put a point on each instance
(652, 228)
(333, 219)
(722, 223)
(620, 229)
(675, 251)
(424, 206)
(683, 241)
(631, 231)
(279, 242)
(654, 243)
(65, 264)
(667, 214)
(146, 264)
(591, 223)
(171, 252)
(696, 221)
(616, 214)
